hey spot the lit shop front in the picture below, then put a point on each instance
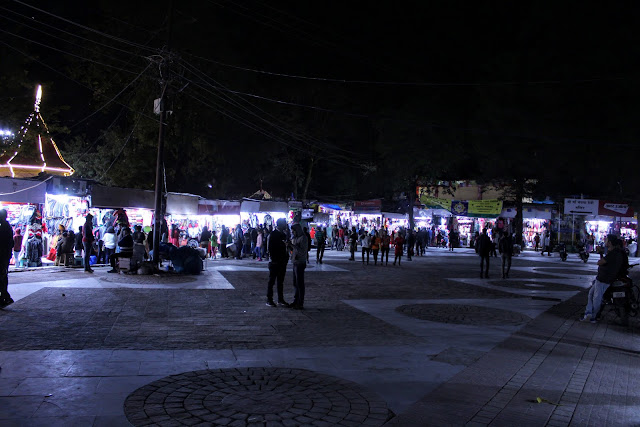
(216, 213)
(601, 217)
(20, 198)
(107, 204)
(264, 212)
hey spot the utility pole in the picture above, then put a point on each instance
(159, 193)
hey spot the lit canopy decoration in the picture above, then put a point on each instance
(35, 151)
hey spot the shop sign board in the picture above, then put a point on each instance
(485, 208)
(581, 206)
(367, 206)
(614, 209)
(460, 207)
(435, 203)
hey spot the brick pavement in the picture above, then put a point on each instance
(108, 342)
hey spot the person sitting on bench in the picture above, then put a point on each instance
(126, 250)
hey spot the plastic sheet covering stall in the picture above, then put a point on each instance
(127, 198)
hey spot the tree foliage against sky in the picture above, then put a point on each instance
(391, 95)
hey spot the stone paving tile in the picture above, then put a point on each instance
(220, 322)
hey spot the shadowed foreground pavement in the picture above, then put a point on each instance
(428, 343)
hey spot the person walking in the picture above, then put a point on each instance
(299, 250)
(224, 237)
(205, 240)
(320, 244)
(376, 241)
(411, 242)
(17, 247)
(485, 246)
(238, 241)
(398, 243)
(353, 243)
(259, 242)
(384, 247)
(279, 257)
(546, 244)
(6, 251)
(536, 240)
(110, 241)
(87, 242)
(494, 243)
(506, 251)
(365, 242)
(214, 244)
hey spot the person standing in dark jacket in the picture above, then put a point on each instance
(87, 242)
(506, 250)
(6, 252)
(78, 245)
(278, 262)
(224, 237)
(485, 246)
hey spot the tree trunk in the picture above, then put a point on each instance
(412, 202)
(519, 213)
(308, 180)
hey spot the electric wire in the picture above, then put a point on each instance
(305, 136)
(66, 53)
(25, 189)
(71, 78)
(109, 36)
(225, 113)
(112, 99)
(309, 151)
(285, 28)
(398, 83)
(121, 149)
(61, 30)
(102, 135)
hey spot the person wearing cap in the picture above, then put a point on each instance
(609, 267)
(277, 263)
(87, 242)
(6, 251)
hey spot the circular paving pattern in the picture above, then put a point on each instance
(463, 314)
(519, 284)
(254, 396)
(140, 279)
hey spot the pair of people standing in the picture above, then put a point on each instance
(279, 248)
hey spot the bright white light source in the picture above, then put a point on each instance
(38, 97)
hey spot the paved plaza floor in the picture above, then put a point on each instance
(425, 343)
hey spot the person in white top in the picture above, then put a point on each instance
(365, 242)
(110, 242)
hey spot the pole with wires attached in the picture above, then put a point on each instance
(162, 110)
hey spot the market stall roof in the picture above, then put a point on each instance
(35, 152)
(22, 190)
(395, 215)
(127, 198)
(182, 204)
(218, 207)
(269, 206)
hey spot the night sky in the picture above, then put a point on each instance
(516, 81)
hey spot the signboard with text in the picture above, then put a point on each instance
(614, 209)
(581, 206)
(367, 206)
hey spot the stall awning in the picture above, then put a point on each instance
(127, 198)
(250, 206)
(269, 206)
(371, 207)
(182, 204)
(218, 207)
(536, 213)
(394, 215)
(22, 190)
